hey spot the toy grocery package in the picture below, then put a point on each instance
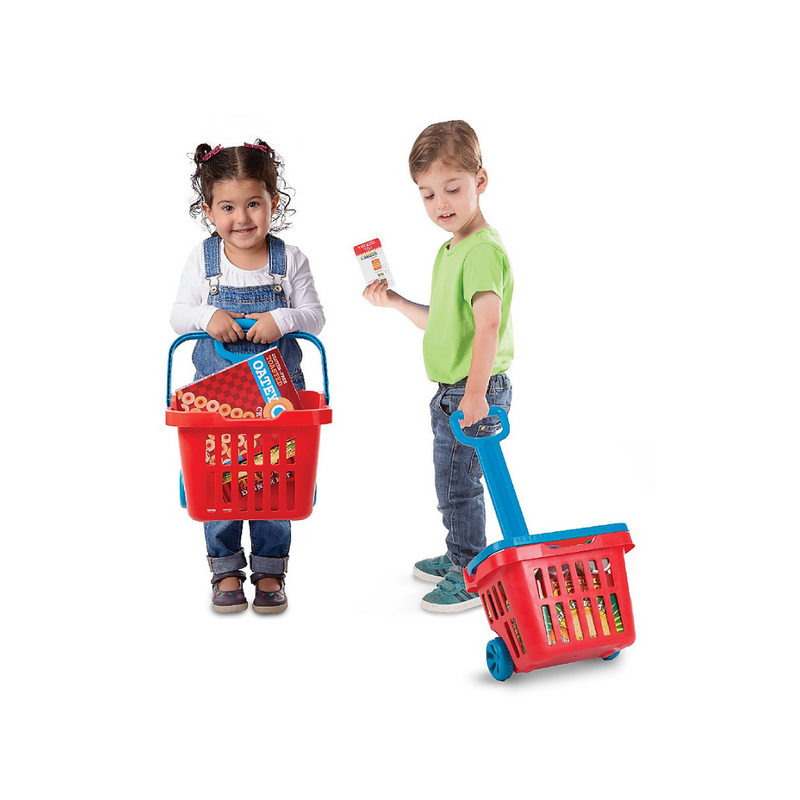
(257, 387)
(373, 262)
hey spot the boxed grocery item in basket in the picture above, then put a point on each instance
(257, 387)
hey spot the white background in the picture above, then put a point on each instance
(644, 175)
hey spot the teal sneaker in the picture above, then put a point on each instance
(450, 595)
(433, 569)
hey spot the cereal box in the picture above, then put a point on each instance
(257, 387)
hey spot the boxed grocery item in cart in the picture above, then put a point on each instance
(257, 387)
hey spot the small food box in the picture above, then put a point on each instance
(374, 265)
(257, 387)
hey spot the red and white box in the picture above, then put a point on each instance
(374, 265)
(257, 387)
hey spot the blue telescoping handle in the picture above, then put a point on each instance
(234, 358)
(498, 479)
(504, 497)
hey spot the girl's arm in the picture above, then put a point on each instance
(191, 312)
(486, 306)
(379, 294)
(305, 312)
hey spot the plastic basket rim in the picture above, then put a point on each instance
(551, 539)
(302, 417)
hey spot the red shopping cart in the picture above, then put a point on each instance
(552, 598)
(249, 468)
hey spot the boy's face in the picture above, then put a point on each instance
(451, 198)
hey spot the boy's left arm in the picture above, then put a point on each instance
(486, 307)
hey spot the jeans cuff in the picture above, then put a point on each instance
(453, 565)
(269, 565)
(229, 563)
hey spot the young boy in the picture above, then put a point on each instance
(467, 347)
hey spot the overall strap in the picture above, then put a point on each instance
(211, 256)
(277, 256)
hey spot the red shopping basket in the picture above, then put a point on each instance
(250, 468)
(564, 597)
(552, 598)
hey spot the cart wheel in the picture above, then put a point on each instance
(612, 656)
(183, 493)
(498, 659)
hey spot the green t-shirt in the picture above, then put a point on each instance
(478, 264)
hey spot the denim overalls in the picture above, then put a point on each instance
(270, 539)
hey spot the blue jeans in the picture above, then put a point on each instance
(270, 541)
(457, 470)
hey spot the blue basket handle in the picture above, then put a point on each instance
(498, 480)
(223, 352)
(236, 357)
(475, 441)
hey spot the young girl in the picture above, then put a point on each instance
(243, 271)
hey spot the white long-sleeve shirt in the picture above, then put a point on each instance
(191, 311)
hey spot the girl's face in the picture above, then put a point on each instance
(451, 198)
(241, 211)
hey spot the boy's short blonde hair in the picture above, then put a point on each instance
(454, 143)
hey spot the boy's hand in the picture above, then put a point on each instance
(223, 326)
(379, 294)
(265, 331)
(475, 409)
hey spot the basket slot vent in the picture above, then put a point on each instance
(563, 631)
(555, 586)
(497, 602)
(538, 580)
(486, 609)
(514, 637)
(510, 638)
(491, 603)
(576, 619)
(241, 490)
(595, 574)
(518, 636)
(601, 607)
(547, 618)
(567, 575)
(258, 485)
(619, 626)
(503, 595)
(580, 575)
(608, 572)
(587, 610)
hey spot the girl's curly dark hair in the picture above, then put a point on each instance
(261, 163)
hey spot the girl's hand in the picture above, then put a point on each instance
(379, 294)
(223, 326)
(475, 409)
(265, 331)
